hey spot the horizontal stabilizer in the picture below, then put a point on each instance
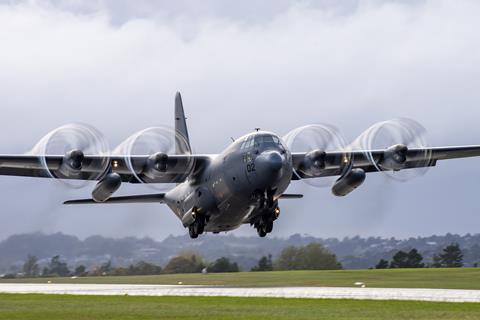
(291, 196)
(141, 198)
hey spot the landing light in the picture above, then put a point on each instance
(115, 164)
(276, 211)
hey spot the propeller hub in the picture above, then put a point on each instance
(75, 159)
(158, 161)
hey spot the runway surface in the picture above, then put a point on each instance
(283, 292)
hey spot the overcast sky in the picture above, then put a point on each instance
(239, 65)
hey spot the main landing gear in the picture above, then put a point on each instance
(197, 227)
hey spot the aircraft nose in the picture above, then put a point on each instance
(275, 160)
(269, 165)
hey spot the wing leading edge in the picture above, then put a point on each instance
(176, 167)
(334, 163)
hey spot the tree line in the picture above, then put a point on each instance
(310, 257)
(450, 257)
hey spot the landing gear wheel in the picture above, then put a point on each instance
(192, 232)
(269, 226)
(261, 231)
(199, 226)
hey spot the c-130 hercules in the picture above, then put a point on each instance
(244, 183)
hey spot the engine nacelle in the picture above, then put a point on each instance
(72, 163)
(349, 182)
(106, 187)
(394, 158)
(313, 162)
(74, 159)
(156, 163)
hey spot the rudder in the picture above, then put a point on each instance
(180, 124)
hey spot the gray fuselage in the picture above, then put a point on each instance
(228, 189)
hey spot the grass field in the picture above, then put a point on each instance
(462, 278)
(53, 307)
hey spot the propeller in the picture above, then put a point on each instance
(316, 140)
(157, 143)
(397, 137)
(71, 143)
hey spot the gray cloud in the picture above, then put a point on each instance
(239, 66)
(248, 11)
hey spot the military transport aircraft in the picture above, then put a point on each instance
(244, 183)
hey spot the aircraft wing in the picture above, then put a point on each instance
(175, 167)
(334, 163)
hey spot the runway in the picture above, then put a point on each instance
(441, 295)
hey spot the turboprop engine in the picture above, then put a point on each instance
(157, 162)
(313, 162)
(157, 143)
(401, 137)
(394, 158)
(72, 146)
(315, 141)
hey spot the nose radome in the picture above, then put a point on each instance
(275, 160)
(270, 161)
(268, 166)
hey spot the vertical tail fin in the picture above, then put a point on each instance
(180, 122)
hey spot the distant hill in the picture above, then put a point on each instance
(353, 252)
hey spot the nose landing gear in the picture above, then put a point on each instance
(264, 225)
(268, 211)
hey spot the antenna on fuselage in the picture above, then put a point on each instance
(257, 129)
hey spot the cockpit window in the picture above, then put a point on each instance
(260, 140)
(244, 144)
(247, 143)
(266, 140)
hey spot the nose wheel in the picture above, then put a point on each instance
(265, 199)
(268, 209)
(264, 224)
(264, 228)
(262, 232)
